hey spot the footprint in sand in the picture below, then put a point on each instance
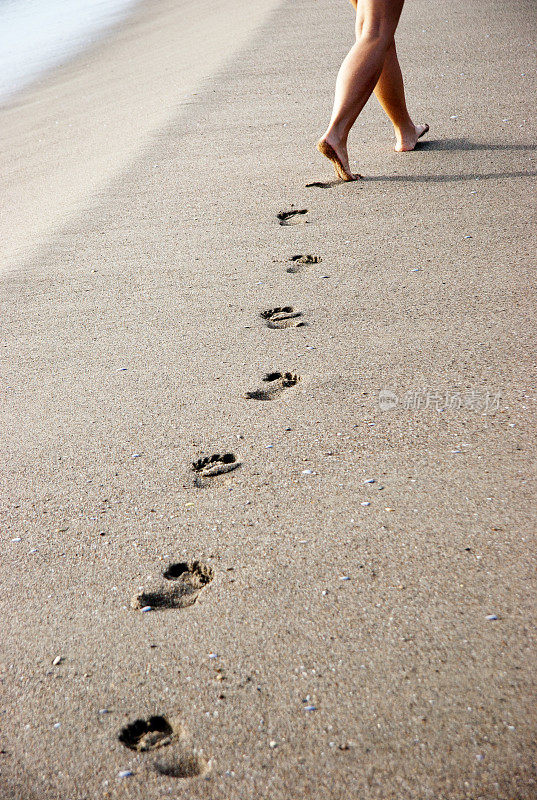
(144, 735)
(278, 382)
(282, 317)
(295, 216)
(217, 464)
(300, 260)
(148, 734)
(186, 581)
(184, 765)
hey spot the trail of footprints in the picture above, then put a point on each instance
(184, 581)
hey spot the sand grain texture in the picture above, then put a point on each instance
(342, 649)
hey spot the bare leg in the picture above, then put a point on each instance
(376, 21)
(390, 93)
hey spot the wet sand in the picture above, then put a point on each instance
(361, 619)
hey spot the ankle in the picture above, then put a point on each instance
(335, 137)
(405, 129)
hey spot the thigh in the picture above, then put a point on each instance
(378, 18)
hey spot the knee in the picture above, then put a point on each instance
(374, 33)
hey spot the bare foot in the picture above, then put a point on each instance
(337, 154)
(407, 140)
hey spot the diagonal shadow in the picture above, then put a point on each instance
(445, 145)
(471, 176)
(467, 145)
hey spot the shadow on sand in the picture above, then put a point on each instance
(467, 145)
(470, 176)
(444, 145)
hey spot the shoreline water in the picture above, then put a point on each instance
(67, 136)
(36, 37)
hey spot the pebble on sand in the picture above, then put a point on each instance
(125, 773)
(145, 609)
(57, 660)
(491, 617)
(370, 480)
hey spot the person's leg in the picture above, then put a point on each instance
(390, 93)
(376, 21)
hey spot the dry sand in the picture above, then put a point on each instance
(131, 337)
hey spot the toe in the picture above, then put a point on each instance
(422, 130)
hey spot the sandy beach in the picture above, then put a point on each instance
(350, 611)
